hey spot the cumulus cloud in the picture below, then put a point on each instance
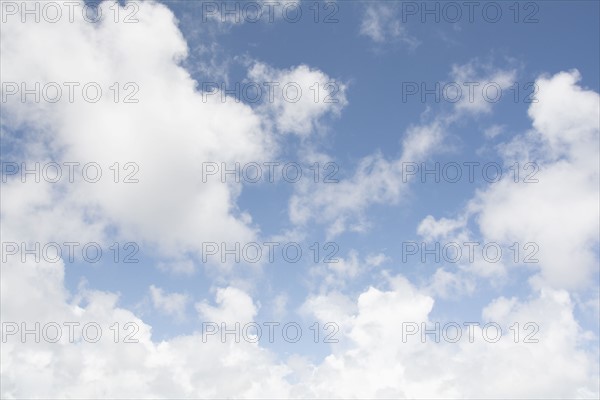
(167, 134)
(232, 305)
(302, 96)
(373, 360)
(558, 209)
(167, 140)
(129, 364)
(560, 212)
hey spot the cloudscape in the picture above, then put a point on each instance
(300, 199)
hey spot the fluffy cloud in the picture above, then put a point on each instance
(301, 97)
(232, 305)
(169, 303)
(185, 366)
(372, 361)
(168, 140)
(168, 134)
(559, 212)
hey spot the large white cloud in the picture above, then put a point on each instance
(169, 133)
(184, 367)
(372, 361)
(559, 212)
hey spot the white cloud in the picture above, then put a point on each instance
(559, 212)
(376, 181)
(345, 271)
(376, 260)
(302, 96)
(432, 229)
(261, 11)
(565, 115)
(493, 131)
(373, 362)
(183, 367)
(232, 305)
(183, 267)
(370, 361)
(169, 303)
(169, 133)
(382, 24)
(481, 85)
(450, 285)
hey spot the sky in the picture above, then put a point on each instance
(300, 199)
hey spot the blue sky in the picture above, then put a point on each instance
(371, 55)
